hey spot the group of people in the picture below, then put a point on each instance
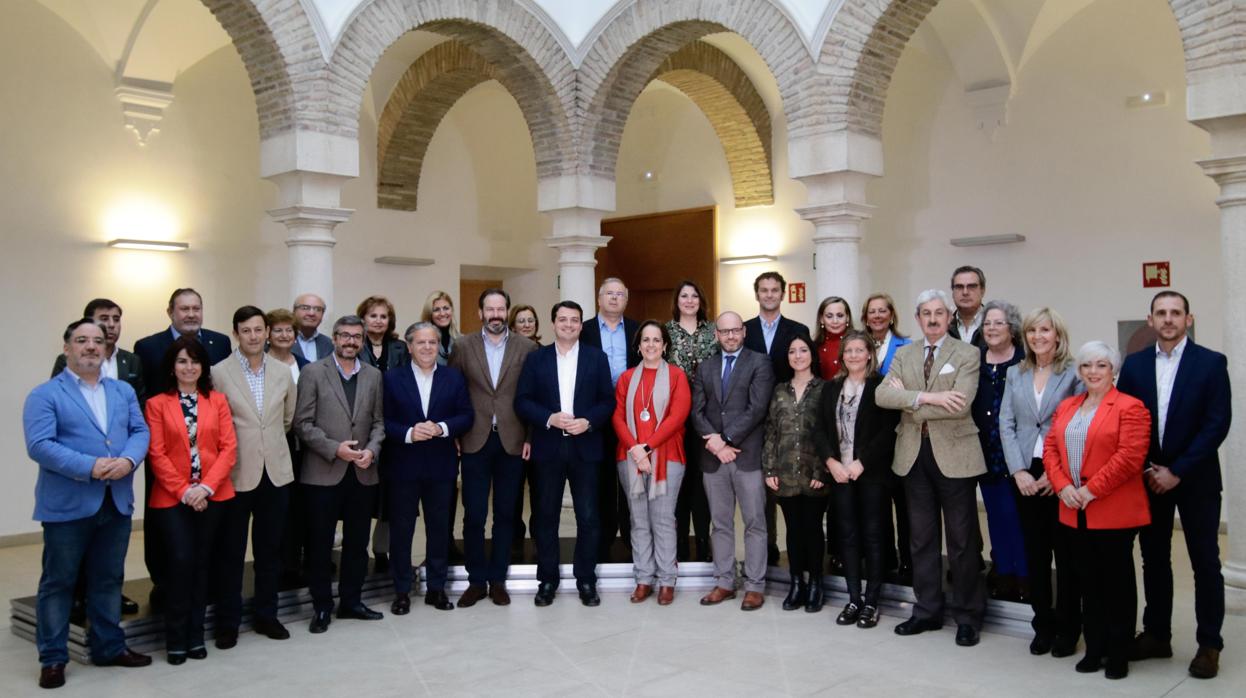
(867, 441)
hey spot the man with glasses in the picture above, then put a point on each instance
(339, 418)
(309, 344)
(968, 288)
(730, 397)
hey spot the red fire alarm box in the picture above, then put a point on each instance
(796, 292)
(1156, 274)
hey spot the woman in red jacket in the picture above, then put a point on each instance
(1093, 457)
(193, 449)
(652, 402)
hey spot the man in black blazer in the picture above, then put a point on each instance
(564, 395)
(613, 334)
(1186, 387)
(968, 289)
(309, 344)
(185, 317)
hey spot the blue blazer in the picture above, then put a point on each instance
(536, 399)
(151, 350)
(896, 343)
(450, 403)
(1199, 411)
(63, 437)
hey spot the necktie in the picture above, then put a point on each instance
(727, 374)
(930, 350)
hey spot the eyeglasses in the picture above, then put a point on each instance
(304, 307)
(730, 331)
(966, 287)
(353, 336)
(994, 323)
(615, 294)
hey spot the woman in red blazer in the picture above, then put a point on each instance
(652, 402)
(193, 449)
(1093, 457)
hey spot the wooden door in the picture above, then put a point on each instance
(654, 252)
(467, 304)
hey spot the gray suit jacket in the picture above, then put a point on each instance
(953, 435)
(1021, 423)
(262, 441)
(739, 415)
(323, 420)
(469, 357)
(324, 347)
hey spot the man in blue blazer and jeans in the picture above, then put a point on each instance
(565, 396)
(87, 434)
(1186, 387)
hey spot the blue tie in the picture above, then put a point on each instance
(727, 374)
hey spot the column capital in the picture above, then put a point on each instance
(839, 212)
(1231, 168)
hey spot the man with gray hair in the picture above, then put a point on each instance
(309, 343)
(933, 384)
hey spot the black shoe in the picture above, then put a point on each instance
(966, 635)
(198, 653)
(816, 596)
(588, 594)
(1118, 669)
(1041, 644)
(128, 606)
(1089, 664)
(869, 617)
(52, 676)
(381, 563)
(849, 615)
(1148, 646)
(545, 594)
(128, 658)
(359, 612)
(401, 605)
(320, 622)
(1063, 647)
(438, 600)
(177, 658)
(226, 639)
(917, 626)
(271, 628)
(797, 594)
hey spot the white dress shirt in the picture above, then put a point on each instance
(96, 398)
(424, 381)
(567, 364)
(1165, 375)
(308, 345)
(966, 331)
(108, 367)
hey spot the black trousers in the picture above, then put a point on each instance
(188, 537)
(352, 503)
(897, 548)
(932, 495)
(692, 506)
(612, 506)
(262, 512)
(294, 532)
(154, 545)
(551, 478)
(1056, 612)
(1200, 520)
(490, 468)
(527, 481)
(860, 507)
(803, 516)
(406, 497)
(1103, 560)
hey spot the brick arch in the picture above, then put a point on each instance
(420, 100)
(528, 61)
(627, 51)
(737, 112)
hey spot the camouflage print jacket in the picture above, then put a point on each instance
(789, 452)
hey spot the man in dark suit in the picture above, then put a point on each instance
(495, 448)
(118, 364)
(770, 333)
(185, 313)
(613, 334)
(1186, 387)
(968, 289)
(730, 398)
(339, 418)
(426, 408)
(564, 395)
(309, 344)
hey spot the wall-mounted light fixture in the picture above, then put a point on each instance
(750, 259)
(150, 245)
(1147, 99)
(405, 261)
(987, 240)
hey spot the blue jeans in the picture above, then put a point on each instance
(98, 542)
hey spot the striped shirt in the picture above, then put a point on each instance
(255, 381)
(1075, 442)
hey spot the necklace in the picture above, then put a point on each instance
(644, 410)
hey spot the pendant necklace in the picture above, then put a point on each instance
(644, 410)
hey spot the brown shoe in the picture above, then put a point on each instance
(497, 593)
(128, 658)
(717, 596)
(666, 595)
(474, 593)
(642, 592)
(753, 600)
(1206, 663)
(52, 676)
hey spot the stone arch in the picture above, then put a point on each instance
(628, 49)
(736, 111)
(418, 103)
(528, 61)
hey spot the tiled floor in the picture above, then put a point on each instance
(615, 650)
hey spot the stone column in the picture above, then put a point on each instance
(576, 204)
(310, 244)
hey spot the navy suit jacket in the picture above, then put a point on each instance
(1199, 412)
(436, 458)
(536, 399)
(590, 334)
(151, 350)
(755, 339)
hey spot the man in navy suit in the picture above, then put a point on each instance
(185, 317)
(309, 344)
(1186, 387)
(613, 334)
(427, 407)
(88, 435)
(565, 396)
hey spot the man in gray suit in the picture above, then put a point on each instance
(938, 455)
(340, 420)
(730, 397)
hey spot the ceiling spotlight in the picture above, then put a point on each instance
(1147, 99)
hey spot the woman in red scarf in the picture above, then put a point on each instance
(652, 402)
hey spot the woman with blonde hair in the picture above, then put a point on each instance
(439, 310)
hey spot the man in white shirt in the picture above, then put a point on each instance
(968, 289)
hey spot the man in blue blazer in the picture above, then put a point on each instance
(1186, 387)
(565, 396)
(427, 407)
(87, 434)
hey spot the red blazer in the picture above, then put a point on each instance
(1116, 448)
(169, 452)
(668, 441)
